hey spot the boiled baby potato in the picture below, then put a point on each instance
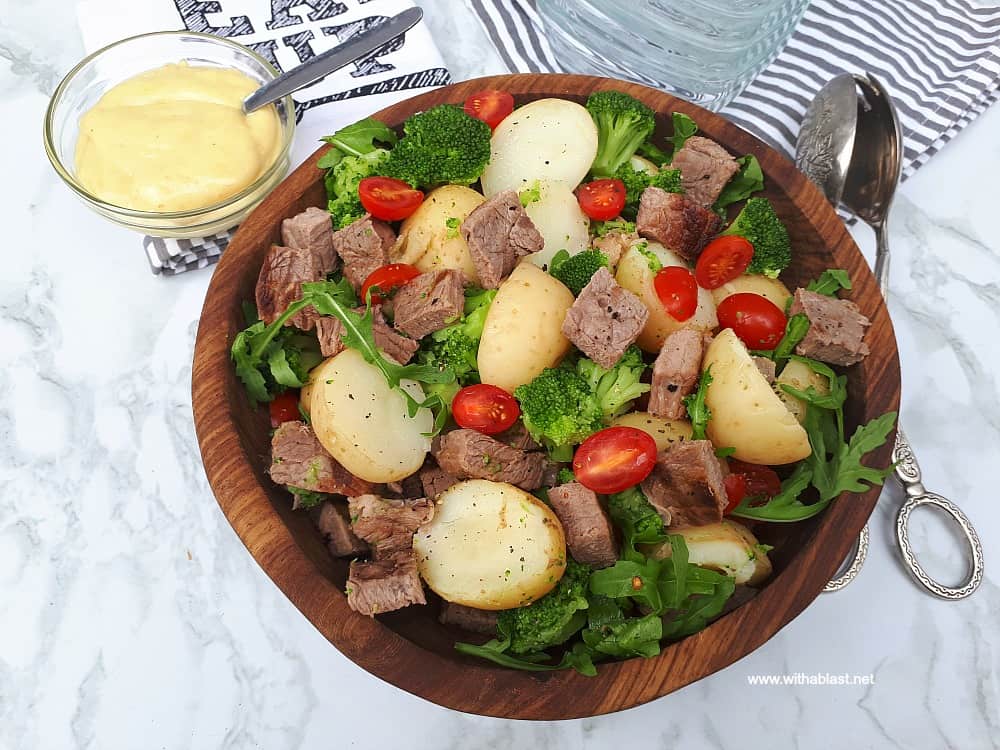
(800, 376)
(635, 275)
(746, 414)
(770, 289)
(427, 241)
(664, 431)
(727, 547)
(305, 395)
(547, 139)
(523, 331)
(363, 422)
(490, 546)
(558, 218)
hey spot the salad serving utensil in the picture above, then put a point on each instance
(851, 146)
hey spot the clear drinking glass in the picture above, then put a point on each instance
(705, 51)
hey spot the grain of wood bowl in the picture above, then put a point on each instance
(409, 648)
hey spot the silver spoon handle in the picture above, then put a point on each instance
(882, 259)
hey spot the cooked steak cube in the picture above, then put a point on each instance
(675, 373)
(335, 527)
(605, 319)
(388, 525)
(363, 246)
(312, 230)
(298, 459)
(330, 332)
(589, 533)
(614, 245)
(467, 454)
(384, 585)
(517, 436)
(468, 618)
(389, 340)
(677, 222)
(705, 167)
(836, 328)
(686, 486)
(766, 367)
(499, 233)
(429, 302)
(435, 480)
(279, 284)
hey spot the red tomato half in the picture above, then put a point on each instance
(285, 408)
(758, 480)
(678, 291)
(388, 199)
(387, 278)
(757, 321)
(490, 106)
(736, 490)
(602, 199)
(614, 459)
(485, 408)
(722, 260)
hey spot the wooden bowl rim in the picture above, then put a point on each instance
(479, 688)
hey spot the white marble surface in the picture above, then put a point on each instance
(132, 617)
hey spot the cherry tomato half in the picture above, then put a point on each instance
(490, 106)
(602, 199)
(758, 480)
(758, 322)
(678, 291)
(736, 490)
(388, 199)
(614, 459)
(387, 278)
(485, 408)
(284, 408)
(722, 260)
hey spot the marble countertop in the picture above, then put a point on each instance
(132, 617)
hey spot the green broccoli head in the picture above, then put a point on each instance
(559, 409)
(551, 620)
(342, 185)
(603, 228)
(457, 346)
(623, 123)
(636, 181)
(575, 270)
(441, 145)
(758, 223)
(617, 388)
(638, 520)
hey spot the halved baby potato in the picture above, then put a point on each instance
(728, 547)
(430, 238)
(490, 546)
(768, 288)
(800, 376)
(664, 431)
(558, 218)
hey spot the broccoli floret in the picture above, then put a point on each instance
(638, 520)
(602, 228)
(575, 270)
(623, 123)
(758, 223)
(456, 346)
(669, 180)
(551, 620)
(638, 180)
(559, 409)
(342, 185)
(441, 145)
(618, 387)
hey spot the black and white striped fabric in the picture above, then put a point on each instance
(940, 59)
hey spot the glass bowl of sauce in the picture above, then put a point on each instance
(149, 133)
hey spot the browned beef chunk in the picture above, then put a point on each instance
(675, 373)
(330, 331)
(836, 328)
(429, 303)
(605, 319)
(766, 367)
(312, 230)
(335, 527)
(384, 585)
(468, 618)
(279, 284)
(677, 222)
(517, 436)
(468, 454)
(499, 233)
(299, 460)
(614, 245)
(686, 486)
(363, 246)
(391, 342)
(435, 480)
(550, 473)
(589, 533)
(388, 525)
(705, 167)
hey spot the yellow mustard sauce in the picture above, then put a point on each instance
(175, 139)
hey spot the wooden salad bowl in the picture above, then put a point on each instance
(409, 648)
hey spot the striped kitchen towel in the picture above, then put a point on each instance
(940, 59)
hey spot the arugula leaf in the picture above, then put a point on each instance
(724, 452)
(843, 470)
(684, 128)
(785, 506)
(830, 282)
(354, 140)
(700, 609)
(795, 330)
(743, 184)
(697, 409)
(578, 657)
(636, 636)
